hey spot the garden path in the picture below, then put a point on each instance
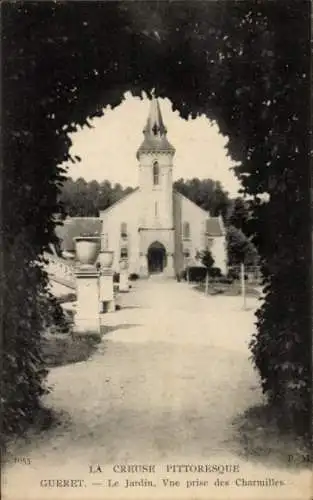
(169, 381)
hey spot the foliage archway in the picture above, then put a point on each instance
(234, 61)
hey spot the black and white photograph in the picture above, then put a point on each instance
(156, 250)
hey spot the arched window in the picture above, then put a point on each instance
(123, 229)
(156, 173)
(186, 230)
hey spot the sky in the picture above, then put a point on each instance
(108, 149)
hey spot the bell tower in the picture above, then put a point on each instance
(155, 157)
(156, 220)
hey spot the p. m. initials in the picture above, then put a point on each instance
(304, 458)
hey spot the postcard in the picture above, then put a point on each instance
(133, 362)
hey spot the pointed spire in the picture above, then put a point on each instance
(155, 125)
(155, 132)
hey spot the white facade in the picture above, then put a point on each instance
(155, 228)
(126, 214)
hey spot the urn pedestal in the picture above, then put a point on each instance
(105, 259)
(106, 290)
(87, 317)
(169, 271)
(143, 263)
(124, 284)
(87, 250)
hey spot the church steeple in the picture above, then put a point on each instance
(155, 125)
(155, 177)
(155, 140)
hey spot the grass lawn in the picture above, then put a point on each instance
(62, 349)
(262, 439)
(229, 290)
(59, 347)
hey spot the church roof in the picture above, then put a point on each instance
(214, 227)
(118, 202)
(155, 139)
(77, 226)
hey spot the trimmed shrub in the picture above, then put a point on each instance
(215, 272)
(196, 274)
(133, 277)
(224, 280)
(257, 106)
(25, 315)
(233, 274)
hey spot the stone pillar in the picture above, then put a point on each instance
(107, 302)
(124, 285)
(106, 295)
(170, 269)
(87, 317)
(143, 265)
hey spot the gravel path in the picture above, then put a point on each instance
(170, 375)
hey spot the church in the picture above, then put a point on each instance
(154, 228)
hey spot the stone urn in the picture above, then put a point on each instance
(105, 258)
(123, 265)
(87, 249)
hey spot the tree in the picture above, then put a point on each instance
(206, 193)
(208, 261)
(239, 66)
(86, 199)
(78, 198)
(239, 214)
(240, 248)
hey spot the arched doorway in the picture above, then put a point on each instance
(156, 258)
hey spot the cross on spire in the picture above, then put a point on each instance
(155, 131)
